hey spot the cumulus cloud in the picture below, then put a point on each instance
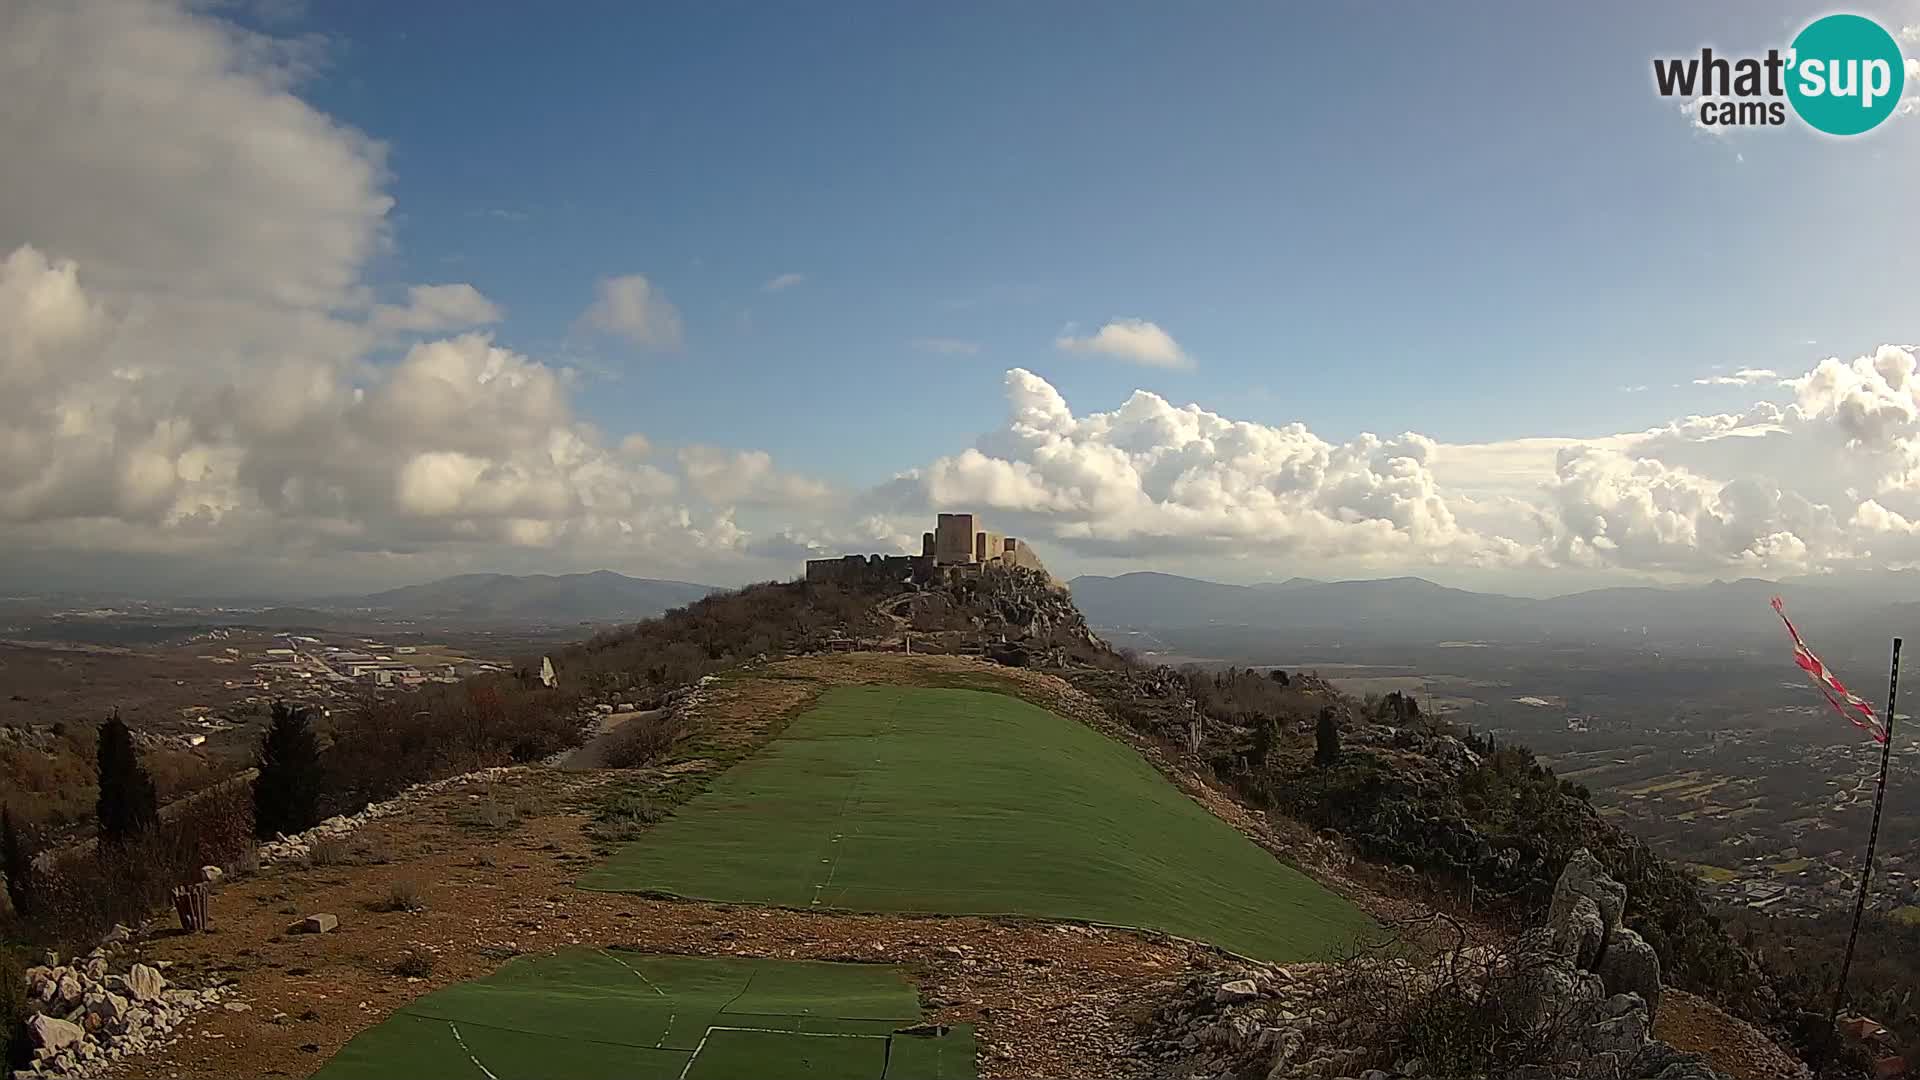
(783, 282)
(1830, 479)
(1743, 377)
(434, 308)
(746, 476)
(1133, 340)
(630, 307)
(1154, 478)
(185, 331)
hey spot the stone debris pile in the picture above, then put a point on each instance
(341, 826)
(1581, 991)
(87, 1016)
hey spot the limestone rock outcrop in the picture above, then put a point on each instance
(1584, 921)
(1581, 991)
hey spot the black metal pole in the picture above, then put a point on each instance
(1873, 837)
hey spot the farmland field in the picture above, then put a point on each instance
(963, 802)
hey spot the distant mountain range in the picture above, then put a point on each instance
(1416, 610)
(601, 596)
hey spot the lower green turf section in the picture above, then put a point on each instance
(963, 802)
(587, 1014)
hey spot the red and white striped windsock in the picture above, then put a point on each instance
(1844, 701)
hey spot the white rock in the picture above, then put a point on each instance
(144, 983)
(69, 991)
(1237, 990)
(56, 1035)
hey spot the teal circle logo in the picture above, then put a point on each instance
(1845, 74)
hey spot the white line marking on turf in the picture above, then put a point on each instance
(770, 1031)
(636, 972)
(488, 1073)
(672, 1014)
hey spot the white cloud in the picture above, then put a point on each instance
(745, 477)
(631, 308)
(1154, 478)
(945, 346)
(1135, 340)
(185, 324)
(783, 282)
(433, 308)
(1828, 480)
(1743, 377)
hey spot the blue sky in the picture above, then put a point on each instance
(1477, 223)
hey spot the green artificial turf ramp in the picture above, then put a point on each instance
(964, 802)
(584, 1014)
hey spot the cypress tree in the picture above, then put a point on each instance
(1326, 737)
(128, 805)
(16, 861)
(286, 796)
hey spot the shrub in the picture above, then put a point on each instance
(286, 794)
(374, 851)
(624, 815)
(642, 741)
(15, 1048)
(16, 861)
(1326, 737)
(1477, 1012)
(127, 804)
(329, 851)
(414, 964)
(403, 895)
(489, 812)
(84, 892)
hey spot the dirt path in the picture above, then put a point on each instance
(592, 754)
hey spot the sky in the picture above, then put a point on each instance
(300, 298)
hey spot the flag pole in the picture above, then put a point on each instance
(1873, 837)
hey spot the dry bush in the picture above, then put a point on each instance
(404, 894)
(15, 1046)
(624, 815)
(178, 773)
(52, 786)
(329, 851)
(643, 741)
(82, 893)
(1472, 1013)
(414, 964)
(487, 814)
(390, 743)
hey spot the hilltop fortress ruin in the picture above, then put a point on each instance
(957, 546)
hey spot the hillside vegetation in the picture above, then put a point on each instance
(1485, 824)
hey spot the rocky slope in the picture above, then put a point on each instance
(1574, 999)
